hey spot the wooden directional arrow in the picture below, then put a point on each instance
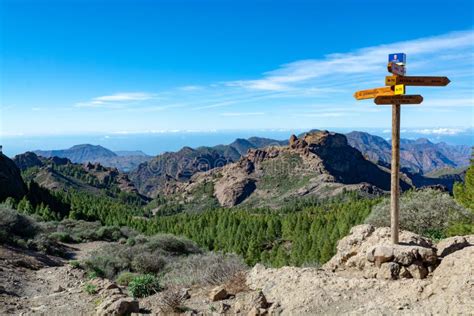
(396, 69)
(416, 81)
(399, 99)
(372, 93)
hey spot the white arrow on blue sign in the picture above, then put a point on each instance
(397, 58)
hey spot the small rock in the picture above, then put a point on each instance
(404, 273)
(223, 307)
(58, 289)
(389, 271)
(418, 270)
(117, 305)
(382, 254)
(217, 294)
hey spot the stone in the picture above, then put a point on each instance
(403, 255)
(58, 289)
(404, 273)
(449, 245)
(223, 307)
(117, 306)
(218, 294)
(382, 254)
(259, 300)
(389, 271)
(417, 270)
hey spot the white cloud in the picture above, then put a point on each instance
(440, 131)
(116, 100)
(362, 61)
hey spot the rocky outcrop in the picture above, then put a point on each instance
(11, 183)
(27, 160)
(370, 276)
(316, 164)
(369, 251)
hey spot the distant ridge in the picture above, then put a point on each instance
(79, 153)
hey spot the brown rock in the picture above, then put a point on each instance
(417, 270)
(382, 254)
(118, 305)
(389, 271)
(218, 293)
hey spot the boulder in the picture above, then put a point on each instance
(418, 270)
(218, 294)
(382, 254)
(389, 271)
(118, 305)
(357, 250)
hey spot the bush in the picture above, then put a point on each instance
(144, 285)
(149, 263)
(90, 289)
(125, 278)
(13, 224)
(425, 212)
(172, 244)
(107, 262)
(59, 236)
(172, 300)
(204, 269)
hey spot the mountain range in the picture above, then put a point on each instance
(122, 160)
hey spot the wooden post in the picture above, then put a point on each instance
(395, 183)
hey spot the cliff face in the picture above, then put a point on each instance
(11, 183)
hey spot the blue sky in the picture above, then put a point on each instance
(72, 67)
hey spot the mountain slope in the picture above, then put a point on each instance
(60, 174)
(319, 164)
(419, 155)
(154, 176)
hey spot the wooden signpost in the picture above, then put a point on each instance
(394, 94)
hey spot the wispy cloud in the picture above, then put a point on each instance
(116, 99)
(362, 61)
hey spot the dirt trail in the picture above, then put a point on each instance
(44, 285)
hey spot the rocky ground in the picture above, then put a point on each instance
(43, 285)
(367, 276)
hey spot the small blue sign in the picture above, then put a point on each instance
(397, 58)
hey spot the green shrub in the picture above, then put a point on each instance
(60, 236)
(75, 264)
(125, 278)
(425, 212)
(144, 285)
(90, 289)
